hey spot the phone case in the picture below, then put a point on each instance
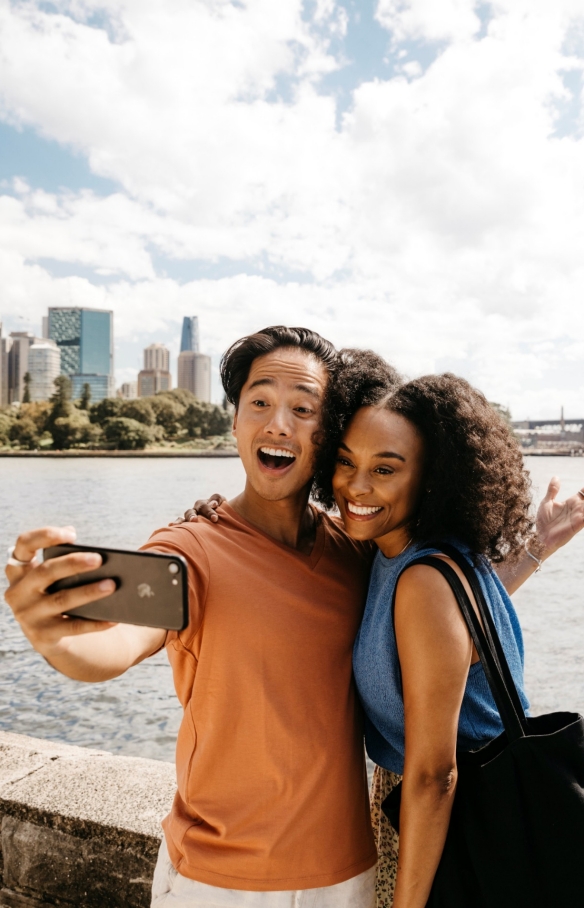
(151, 588)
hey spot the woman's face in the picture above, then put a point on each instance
(378, 476)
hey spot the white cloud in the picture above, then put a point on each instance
(440, 222)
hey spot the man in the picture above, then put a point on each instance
(271, 808)
(272, 795)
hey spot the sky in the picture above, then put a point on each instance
(405, 175)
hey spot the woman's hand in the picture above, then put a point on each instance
(558, 521)
(203, 507)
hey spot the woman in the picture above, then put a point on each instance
(431, 460)
(405, 465)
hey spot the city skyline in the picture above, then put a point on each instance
(84, 340)
(403, 176)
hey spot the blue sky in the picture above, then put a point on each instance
(403, 175)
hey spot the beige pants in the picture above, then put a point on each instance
(171, 890)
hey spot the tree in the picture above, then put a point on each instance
(6, 424)
(126, 434)
(105, 409)
(169, 412)
(24, 433)
(61, 398)
(139, 409)
(72, 430)
(26, 395)
(85, 397)
(202, 420)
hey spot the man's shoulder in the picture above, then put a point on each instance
(194, 535)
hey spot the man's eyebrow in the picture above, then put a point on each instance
(270, 381)
(386, 455)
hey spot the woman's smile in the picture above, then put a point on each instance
(358, 511)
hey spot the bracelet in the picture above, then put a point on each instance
(538, 561)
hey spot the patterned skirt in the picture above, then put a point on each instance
(386, 837)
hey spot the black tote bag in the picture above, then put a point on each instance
(516, 834)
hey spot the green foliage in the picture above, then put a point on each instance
(61, 399)
(202, 420)
(105, 409)
(5, 426)
(126, 434)
(169, 412)
(181, 395)
(26, 394)
(25, 433)
(72, 430)
(85, 397)
(139, 410)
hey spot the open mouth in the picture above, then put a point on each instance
(276, 458)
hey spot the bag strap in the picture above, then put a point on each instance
(488, 624)
(513, 723)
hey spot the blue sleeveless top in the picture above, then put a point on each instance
(377, 672)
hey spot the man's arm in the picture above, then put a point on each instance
(79, 648)
(557, 523)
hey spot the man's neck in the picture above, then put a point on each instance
(289, 520)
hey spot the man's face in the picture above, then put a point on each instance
(278, 414)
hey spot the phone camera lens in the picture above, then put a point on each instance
(173, 568)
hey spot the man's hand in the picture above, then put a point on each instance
(203, 507)
(79, 648)
(558, 521)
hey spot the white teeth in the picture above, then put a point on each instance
(278, 452)
(356, 509)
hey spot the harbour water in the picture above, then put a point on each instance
(120, 502)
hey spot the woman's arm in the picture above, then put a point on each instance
(435, 653)
(557, 523)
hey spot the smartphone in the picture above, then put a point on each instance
(151, 588)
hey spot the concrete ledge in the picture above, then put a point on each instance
(79, 827)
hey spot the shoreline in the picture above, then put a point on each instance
(156, 452)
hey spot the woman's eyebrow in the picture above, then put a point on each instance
(384, 454)
(388, 454)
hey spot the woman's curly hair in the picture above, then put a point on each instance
(475, 487)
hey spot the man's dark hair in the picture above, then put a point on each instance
(236, 362)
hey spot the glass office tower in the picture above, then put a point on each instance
(190, 334)
(85, 338)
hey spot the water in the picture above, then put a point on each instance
(119, 503)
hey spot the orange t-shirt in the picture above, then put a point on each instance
(272, 790)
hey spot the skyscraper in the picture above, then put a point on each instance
(5, 344)
(85, 338)
(157, 356)
(194, 374)
(44, 365)
(17, 363)
(155, 376)
(190, 334)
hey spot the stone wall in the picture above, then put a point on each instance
(79, 828)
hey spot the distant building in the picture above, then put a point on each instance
(129, 390)
(151, 381)
(85, 338)
(5, 344)
(44, 365)
(157, 356)
(194, 374)
(155, 376)
(17, 363)
(189, 340)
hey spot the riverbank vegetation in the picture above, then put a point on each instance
(172, 419)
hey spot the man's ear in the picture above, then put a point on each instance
(234, 426)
